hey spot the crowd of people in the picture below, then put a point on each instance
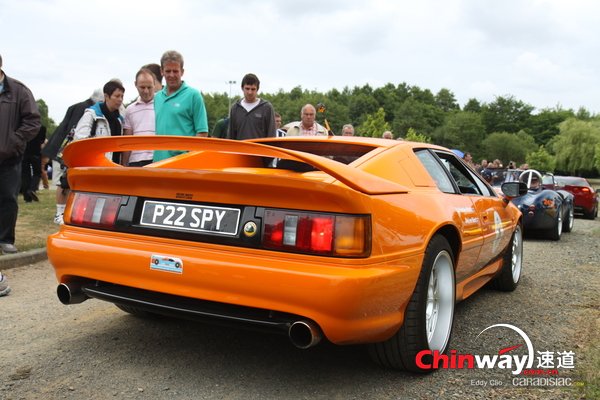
(496, 163)
(485, 167)
(172, 109)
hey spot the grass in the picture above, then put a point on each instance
(592, 389)
(36, 221)
(588, 385)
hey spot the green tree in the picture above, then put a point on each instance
(360, 106)
(413, 136)
(337, 111)
(506, 114)
(402, 92)
(417, 115)
(217, 107)
(584, 114)
(508, 146)
(544, 125)
(446, 101)
(374, 125)
(473, 105)
(527, 140)
(541, 160)
(285, 105)
(46, 120)
(463, 130)
(387, 98)
(575, 146)
(296, 93)
(422, 95)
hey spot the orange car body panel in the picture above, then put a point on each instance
(353, 300)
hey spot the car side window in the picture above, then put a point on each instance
(436, 170)
(457, 175)
(467, 180)
(486, 190)
(462, 179)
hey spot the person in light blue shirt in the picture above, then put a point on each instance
(179, 108)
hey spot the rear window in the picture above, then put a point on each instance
(341, 152)
(571, 181)
(547, 180)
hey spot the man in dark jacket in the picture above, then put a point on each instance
(19, 123)
(69, 122)
(53, 149)
(251, 117)
(31, 167)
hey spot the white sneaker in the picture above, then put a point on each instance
(58, 219)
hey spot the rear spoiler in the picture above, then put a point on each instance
(91, 153)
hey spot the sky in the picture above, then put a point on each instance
(545, 53)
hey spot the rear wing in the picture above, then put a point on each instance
(91, 153)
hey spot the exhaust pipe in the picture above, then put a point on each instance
(70, 293)
(304, 334)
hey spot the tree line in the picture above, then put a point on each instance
(558, 140)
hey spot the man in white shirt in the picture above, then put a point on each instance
(140, 118)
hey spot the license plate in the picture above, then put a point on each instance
(191, 217)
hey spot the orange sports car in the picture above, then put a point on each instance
(355, 240)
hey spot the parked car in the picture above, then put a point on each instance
(356, 240)
(586, 197)
(547, 210)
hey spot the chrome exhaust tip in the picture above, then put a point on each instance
(304, 334)
(70, 293)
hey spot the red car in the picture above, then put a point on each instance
(586, 197)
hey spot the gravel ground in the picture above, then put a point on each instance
(95, 351)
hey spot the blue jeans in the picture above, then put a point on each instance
(10, 183)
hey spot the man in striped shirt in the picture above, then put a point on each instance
(139, 118)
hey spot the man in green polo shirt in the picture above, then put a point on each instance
(179, 108)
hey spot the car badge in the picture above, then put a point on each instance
(166, 263)
(250, 229)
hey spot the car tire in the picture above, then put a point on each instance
(569, 220)
(135, 311)
(428, 317)
(591, 215)
(556, 231)
(512, 264)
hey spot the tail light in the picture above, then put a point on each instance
(315, 233)
(93, 210)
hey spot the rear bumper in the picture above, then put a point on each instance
(351, 300)
(584, 206)
(188, 308)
